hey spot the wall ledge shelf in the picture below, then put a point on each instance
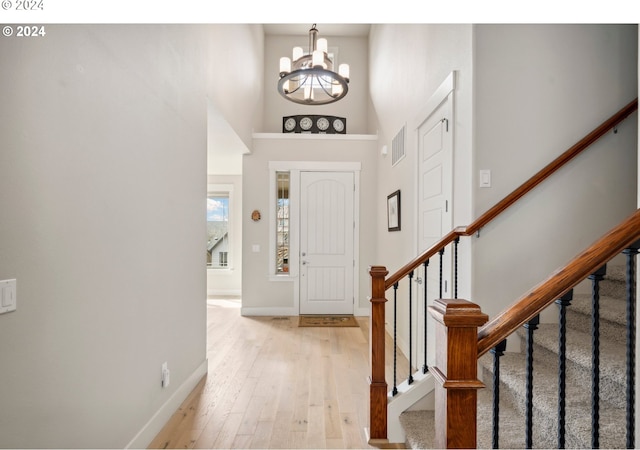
(317, 136)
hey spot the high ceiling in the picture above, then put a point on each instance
(325, 29)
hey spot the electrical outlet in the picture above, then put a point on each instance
(166, 375)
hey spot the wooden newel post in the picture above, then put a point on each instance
(377, 382)
(456, 371)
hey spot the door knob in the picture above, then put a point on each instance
(304, 263)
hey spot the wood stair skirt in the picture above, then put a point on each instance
(418, 425)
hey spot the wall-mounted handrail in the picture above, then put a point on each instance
(514, 196)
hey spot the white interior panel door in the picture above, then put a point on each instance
(435, 181)
(326, 242)
(435, 218)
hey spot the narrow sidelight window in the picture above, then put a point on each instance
(282, 224)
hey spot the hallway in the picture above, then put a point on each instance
(272, 384)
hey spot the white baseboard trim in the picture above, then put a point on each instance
(233, 292)
(262, 311)
(280, 311)
(162, 416)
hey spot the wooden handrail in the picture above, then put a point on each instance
(528, 306)
(559, 283)
(510, 199)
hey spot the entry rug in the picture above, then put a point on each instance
(327, 321)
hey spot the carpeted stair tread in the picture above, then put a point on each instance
(545, 400)
(612, 318)
(512, 396)
(612, 414)
(512, 427)
(579, 354)
(613, 284)
(616, 272)
(419, 426)
(611, 308)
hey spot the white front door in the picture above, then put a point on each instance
(326, 242)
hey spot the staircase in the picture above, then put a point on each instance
(418, 425)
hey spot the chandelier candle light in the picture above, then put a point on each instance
(310, 79)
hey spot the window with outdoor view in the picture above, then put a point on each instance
(218, 230)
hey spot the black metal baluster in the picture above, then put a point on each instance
(595, 278)
(455, 267)
(631, 253)
(497, 351)
(441, 257)
(531, 326)
(395, 338)
(410, 377)
(425, 368)
(562, 303)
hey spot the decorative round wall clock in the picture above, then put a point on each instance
(290, 124)
(322, 123)
(306, 123)
(338, 125)
(314, 123)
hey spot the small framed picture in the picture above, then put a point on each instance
(393, 211)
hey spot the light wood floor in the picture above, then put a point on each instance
(272, 384)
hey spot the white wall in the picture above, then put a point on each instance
(103, 175)
(525, 93)
(408, 63)
(417, 59)
(224, 146)
(538, 90)
(235, 65)
(260, 294)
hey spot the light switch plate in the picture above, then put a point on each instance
(7, 296)
(485, 178)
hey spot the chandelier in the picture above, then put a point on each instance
(309, 79)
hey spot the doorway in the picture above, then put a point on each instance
(327, 233)
(435, 186)
(435, 147)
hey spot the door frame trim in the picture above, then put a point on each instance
(445, 92)
(295, 167)
(441, 94)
